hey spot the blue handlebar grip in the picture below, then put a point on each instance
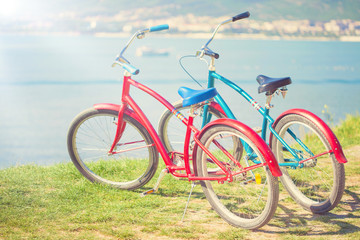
(131, 69)
(159, 28)
(240, 16)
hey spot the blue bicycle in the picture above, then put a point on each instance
(309, 154)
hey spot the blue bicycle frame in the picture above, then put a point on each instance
(267, 120)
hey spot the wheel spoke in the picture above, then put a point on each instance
(133, 161)
(318, 179)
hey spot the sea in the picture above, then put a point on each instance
(45, 81)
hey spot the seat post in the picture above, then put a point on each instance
(212, 65)
(269, 96)
(187, 139)
(265, 123)
(268, 100)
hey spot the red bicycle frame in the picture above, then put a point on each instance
(130, 107)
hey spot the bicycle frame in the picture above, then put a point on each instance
(136, 112)
(268, 121)
(263, 111)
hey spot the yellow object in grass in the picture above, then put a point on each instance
(257, 178)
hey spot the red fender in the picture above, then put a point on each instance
(330, 136)
(217, 107)
(253, 136)
(116, 107)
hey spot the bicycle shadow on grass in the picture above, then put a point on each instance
(300, 222)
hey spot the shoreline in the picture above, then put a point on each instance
(244, 36)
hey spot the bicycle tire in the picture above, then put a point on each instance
(89, 139)
(319, 184)
(242, 202)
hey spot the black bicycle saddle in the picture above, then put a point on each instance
(270, 85)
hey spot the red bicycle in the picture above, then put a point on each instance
(117, 145)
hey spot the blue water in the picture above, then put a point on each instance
(46, 80)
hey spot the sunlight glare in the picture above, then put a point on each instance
(8, 8)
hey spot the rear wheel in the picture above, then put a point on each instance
(90, 137)
(250, 199)
(172, 132)
(318, 183)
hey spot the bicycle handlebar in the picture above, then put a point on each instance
(159, 28)
(241, 16)
(205, 50)
(120, 60)
(210, 53)
(130, 68)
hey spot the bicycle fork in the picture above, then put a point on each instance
(120, 128)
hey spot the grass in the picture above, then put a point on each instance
(348, 131)
(57, 202)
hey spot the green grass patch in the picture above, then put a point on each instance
(233, 234)
(57, 202)
(348, 131)
(37, 201)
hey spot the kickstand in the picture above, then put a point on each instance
(187, 204)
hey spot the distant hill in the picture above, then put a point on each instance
(291, 18)
(267, 10)
(317, 10)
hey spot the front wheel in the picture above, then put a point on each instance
(249, 200)
(89, 139)
(314, 179)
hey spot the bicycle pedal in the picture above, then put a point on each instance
(248, 181)
(156, 187)
(147, 192)
(257, 129)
